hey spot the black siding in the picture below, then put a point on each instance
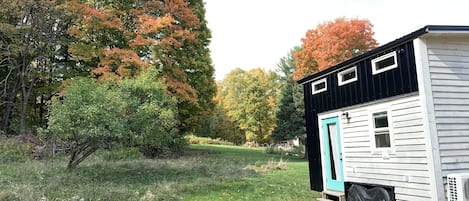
(367, 88)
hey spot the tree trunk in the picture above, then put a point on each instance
(41, 110)
(9, 106)
(26, 92)
(80, 152)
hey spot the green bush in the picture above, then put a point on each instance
(206, 140)
(90, 116)
(151, 116)
(13, 151)
(135, 112)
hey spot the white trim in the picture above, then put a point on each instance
(384, 151)
(448, 32)
(318, 82)
(348, 70)
(429, 123)
(376, 60)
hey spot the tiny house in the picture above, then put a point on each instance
(393, 123)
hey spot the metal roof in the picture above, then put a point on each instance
(392, 44)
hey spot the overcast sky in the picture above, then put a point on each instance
(257, 33)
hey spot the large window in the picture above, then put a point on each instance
(319, 86)
(347, 76)
(381, 130)
(384, 63)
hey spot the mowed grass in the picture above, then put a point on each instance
(206, 172)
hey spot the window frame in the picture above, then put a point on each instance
(374, 130)
(381, 58)
(313, 88)
(348, 70)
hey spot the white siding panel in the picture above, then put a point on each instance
(462, 107)
(402, 148)
(405, 166)
(446, 52)
(449, 74)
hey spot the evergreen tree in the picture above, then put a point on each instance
(290, 111)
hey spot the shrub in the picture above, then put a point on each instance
(89, 116)
(206, 140)
(151, 116)
(14, 151)
(136, 112)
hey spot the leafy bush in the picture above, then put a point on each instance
(136, 112)
(89, 116)
(151, 116)
(206, 140)
(13, 151)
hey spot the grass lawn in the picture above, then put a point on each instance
(206, 172)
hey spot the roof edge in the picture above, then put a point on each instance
(411, 36)
(446, 28)
(369, 53)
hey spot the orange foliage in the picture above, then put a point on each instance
(173, 42)
(96, 18)
(178, 86)
(331, 43)
(98, 29)
(149, 24)
(160, 32)
(179, 9)
(118, 63)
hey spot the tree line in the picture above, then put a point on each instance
(90, 73)
(44, 43)
(268, 107)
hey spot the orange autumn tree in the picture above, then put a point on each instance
(114, 40)
(331, 43)
(185, 61)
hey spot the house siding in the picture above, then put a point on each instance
(406, 167)
(368, 88)
(448, 60)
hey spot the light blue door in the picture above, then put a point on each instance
(333, 154)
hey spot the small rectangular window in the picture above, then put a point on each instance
(381, 130)
(319, 86)
(384, 63)
(347, 76)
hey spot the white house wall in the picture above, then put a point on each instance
(405, 166)
(448, 60)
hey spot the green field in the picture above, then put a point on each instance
(205, 172)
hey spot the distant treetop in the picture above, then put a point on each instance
(331, 43)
